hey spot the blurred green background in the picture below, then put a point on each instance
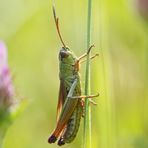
(120, 72)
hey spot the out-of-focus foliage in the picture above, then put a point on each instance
(120, 72)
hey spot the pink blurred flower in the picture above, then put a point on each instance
(3, 53)
(6, 87)
(142, 6)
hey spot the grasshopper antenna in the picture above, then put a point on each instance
(57, 25)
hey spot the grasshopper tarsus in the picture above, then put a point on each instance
(92, 102)
(89, 49)
(97, 54)
(94, 56)
(61, 142)
(98, 94)
(52, 139)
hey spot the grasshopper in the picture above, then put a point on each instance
(70, 102)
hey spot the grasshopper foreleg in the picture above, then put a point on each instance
(85, 54)
(92, 57)
(83, 96)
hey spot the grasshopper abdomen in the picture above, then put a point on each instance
(72, 127)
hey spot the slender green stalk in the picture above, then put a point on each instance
(87, 118)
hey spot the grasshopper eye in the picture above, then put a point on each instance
(63, 54)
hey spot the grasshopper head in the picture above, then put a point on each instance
(66, 56)
(64, 53)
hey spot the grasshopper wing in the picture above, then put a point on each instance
(61, 99)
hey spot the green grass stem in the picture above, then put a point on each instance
(87, 118)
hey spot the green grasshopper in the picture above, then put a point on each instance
(70, 103)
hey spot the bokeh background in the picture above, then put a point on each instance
(119, 32)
